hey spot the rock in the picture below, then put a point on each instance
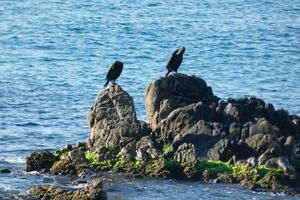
(295, 123)
(145, 149)
(232, 112)
(181, 120)
(280, 163)
(272, 181)
(260, 142)
(40, 161)
(176, 91)
(91, 192)
(270, 112)
(96, 184)
(235, 130)
(224, 149)
(201, 135)
(290, 146)
(113, 121)
(297, 150)
(252, 162)
(283, 121)
(71, 164)
(79, 181)
(224, 178)
(128, 152)
(186, 154)
(248, 184)
(265, 127)
(5, 170)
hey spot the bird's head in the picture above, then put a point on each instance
(182, 50)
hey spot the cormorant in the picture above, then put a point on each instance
(175, 60)
(114, 72)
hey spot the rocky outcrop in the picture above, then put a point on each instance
(93, 191)
(112, 120)
(192, 134)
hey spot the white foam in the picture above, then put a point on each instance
(12, 159)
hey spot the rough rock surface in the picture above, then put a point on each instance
(169, 93)
(182, 109)
(93, 191)
(70, 164)
(112, 120)
(40, 161)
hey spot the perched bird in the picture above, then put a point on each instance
(175, 60)
(114, 72)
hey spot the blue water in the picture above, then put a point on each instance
(54, 56)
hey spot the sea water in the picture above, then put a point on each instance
(54, 56)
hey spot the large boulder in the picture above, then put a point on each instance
(175, 91)
(112, 119)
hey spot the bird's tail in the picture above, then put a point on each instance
(168, 73)
(106, 83)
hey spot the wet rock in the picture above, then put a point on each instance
(71, 164)
(91, 192)
(176, 91)
(112, 119)
(5, 170)
(40, 161)
(224, 178)
(79, 181)
(280, 163)
(186, 153)
(248, 184)
(272, 181)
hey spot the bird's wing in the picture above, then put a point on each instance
(109, 72)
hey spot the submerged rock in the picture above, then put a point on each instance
(5, 170)
(93, 191)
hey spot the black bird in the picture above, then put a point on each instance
(114, 72)
(175, 60)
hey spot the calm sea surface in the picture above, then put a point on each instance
(54, 56)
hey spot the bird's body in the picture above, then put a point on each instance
(114, 72)
(175, 60)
